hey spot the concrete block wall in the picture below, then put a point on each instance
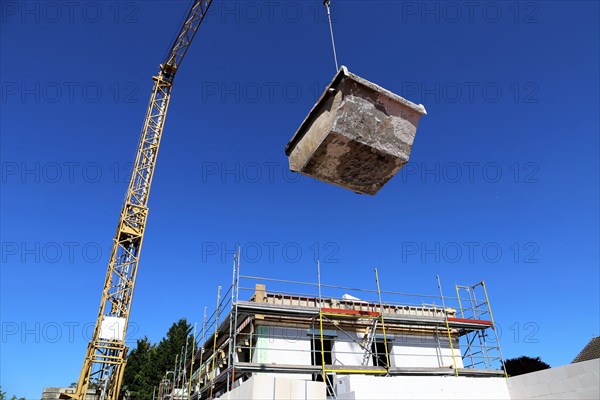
(354, 387)
(573, 381)
(276, 388)
(283, 345)
(423, 351)
(349, 353)
(53, 393)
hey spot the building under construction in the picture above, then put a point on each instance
(270, 338)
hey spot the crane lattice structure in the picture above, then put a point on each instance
(105, 358)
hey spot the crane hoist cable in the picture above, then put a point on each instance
(327, 4)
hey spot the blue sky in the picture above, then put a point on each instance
(502, 185)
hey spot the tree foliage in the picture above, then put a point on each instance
(523, 365)
(138, 371)
(147, 362)
(13, 397)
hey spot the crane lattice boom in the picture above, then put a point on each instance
(105, 359)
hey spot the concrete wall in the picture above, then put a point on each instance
(573, 381)
(263, 387)
(53, 393)
(281, 345)
(405, 351)
(347, 352)
(423, 351)
(420, 387)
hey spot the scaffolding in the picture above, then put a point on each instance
(294, 327)
(486, 350)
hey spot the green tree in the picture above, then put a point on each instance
(170, 347)
(13, 397)
(524, 365)
(137, 379)
(147, 362)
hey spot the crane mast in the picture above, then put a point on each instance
(105, 359)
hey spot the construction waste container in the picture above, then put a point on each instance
(357, 136)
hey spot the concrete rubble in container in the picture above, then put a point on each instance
(357, 136)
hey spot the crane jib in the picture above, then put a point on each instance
(186, 34)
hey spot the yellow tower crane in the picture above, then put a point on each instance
(105, 358)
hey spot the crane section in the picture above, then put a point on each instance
(105, 359)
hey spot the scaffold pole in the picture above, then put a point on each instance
(447, 325)
(387, 355)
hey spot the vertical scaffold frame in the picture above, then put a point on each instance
(485, 353)
(331, 314)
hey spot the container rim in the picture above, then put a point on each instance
(331, 88)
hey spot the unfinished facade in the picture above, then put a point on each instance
(310, 346)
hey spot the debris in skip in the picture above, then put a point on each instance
(357, 136)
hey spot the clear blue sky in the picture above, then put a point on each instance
(505, 164)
